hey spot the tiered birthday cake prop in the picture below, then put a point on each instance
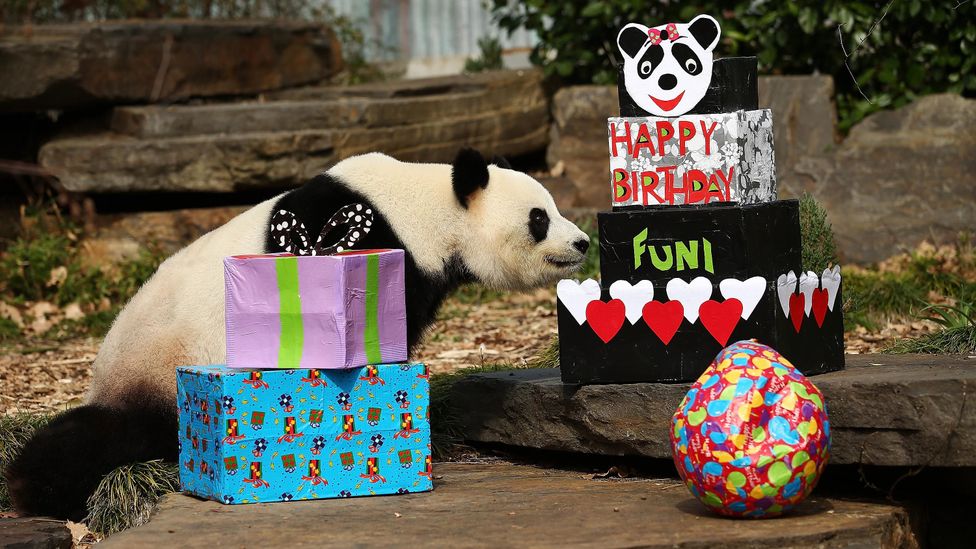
(697, 251)
(259, 429)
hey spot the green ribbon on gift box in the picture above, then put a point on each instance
(290, 312)
(371, 333)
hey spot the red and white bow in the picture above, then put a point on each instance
(670, 32)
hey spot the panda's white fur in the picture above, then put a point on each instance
(452, 232)
(178, 316)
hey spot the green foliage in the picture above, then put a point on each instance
(591, 265)
(918, 48)
(490, 58)
(956, 340)
(908, 287)
(15, 431)
(817, 236)
(127, 496)
(44, 264)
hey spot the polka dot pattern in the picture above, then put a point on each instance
(751, 437)
(291, 236)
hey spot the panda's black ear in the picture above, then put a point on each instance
(704, 29)
(631, 39)
(501, 162)
(468, 174)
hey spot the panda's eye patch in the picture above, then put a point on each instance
(538, 224)
(686, 57)
(649, 61)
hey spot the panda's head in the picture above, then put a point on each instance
(667, 68)
(515, 237)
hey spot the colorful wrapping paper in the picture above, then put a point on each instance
(339, 311)
(281, 435)
(752, 437)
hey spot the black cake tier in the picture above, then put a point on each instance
(736, 267)
(718, 240)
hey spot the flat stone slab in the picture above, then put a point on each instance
(504, 505)
(77, 65)
(897, 410)
(280, 144)
(34, 533)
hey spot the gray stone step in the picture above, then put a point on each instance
(223, 148)
(504, 505)
(68, 66)
(34, 533)
(897, 410)
(341, 107)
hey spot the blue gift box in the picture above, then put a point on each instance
(250, 436)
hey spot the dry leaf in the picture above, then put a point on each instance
(11, 313)
(57, 277)
(78, 530)
(73, 312)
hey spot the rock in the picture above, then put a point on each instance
(803, 123)
(78, 65)
(222, 148)
(923, 418)
(578, 139)
(504, 505)
(899, 178)
(34, 533)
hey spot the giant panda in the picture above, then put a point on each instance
(470, 221)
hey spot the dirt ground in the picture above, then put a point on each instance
(48, 377)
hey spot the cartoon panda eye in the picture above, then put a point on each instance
(645, 68)
(691, 66)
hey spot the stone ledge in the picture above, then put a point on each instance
(505, 505)
(895, 410)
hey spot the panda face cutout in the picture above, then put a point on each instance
(515, 237)
(667, 69)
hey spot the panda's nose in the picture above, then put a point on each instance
(582, 245)
(667, 81)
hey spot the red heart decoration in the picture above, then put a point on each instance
(720, 318)
(605, 318)
(663, 318)
(797, 303)
(819, 305)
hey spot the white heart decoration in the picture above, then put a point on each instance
(785, 287)
(808, 283)
(634, 297)
(830, 280)
(691, 295)
(748, 291)
(577, 295)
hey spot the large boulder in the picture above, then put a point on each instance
(899, 178)
(69, 66)
(280, 143)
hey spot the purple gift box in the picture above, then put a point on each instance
(336, 311)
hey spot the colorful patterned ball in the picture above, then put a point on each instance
(751, 437)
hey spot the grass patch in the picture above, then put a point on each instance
(957, 340)
(45, 264)
(15, 431)
(127, 496)
(905, 285)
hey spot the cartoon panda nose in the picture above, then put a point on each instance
(582, 245)
(667, 81)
